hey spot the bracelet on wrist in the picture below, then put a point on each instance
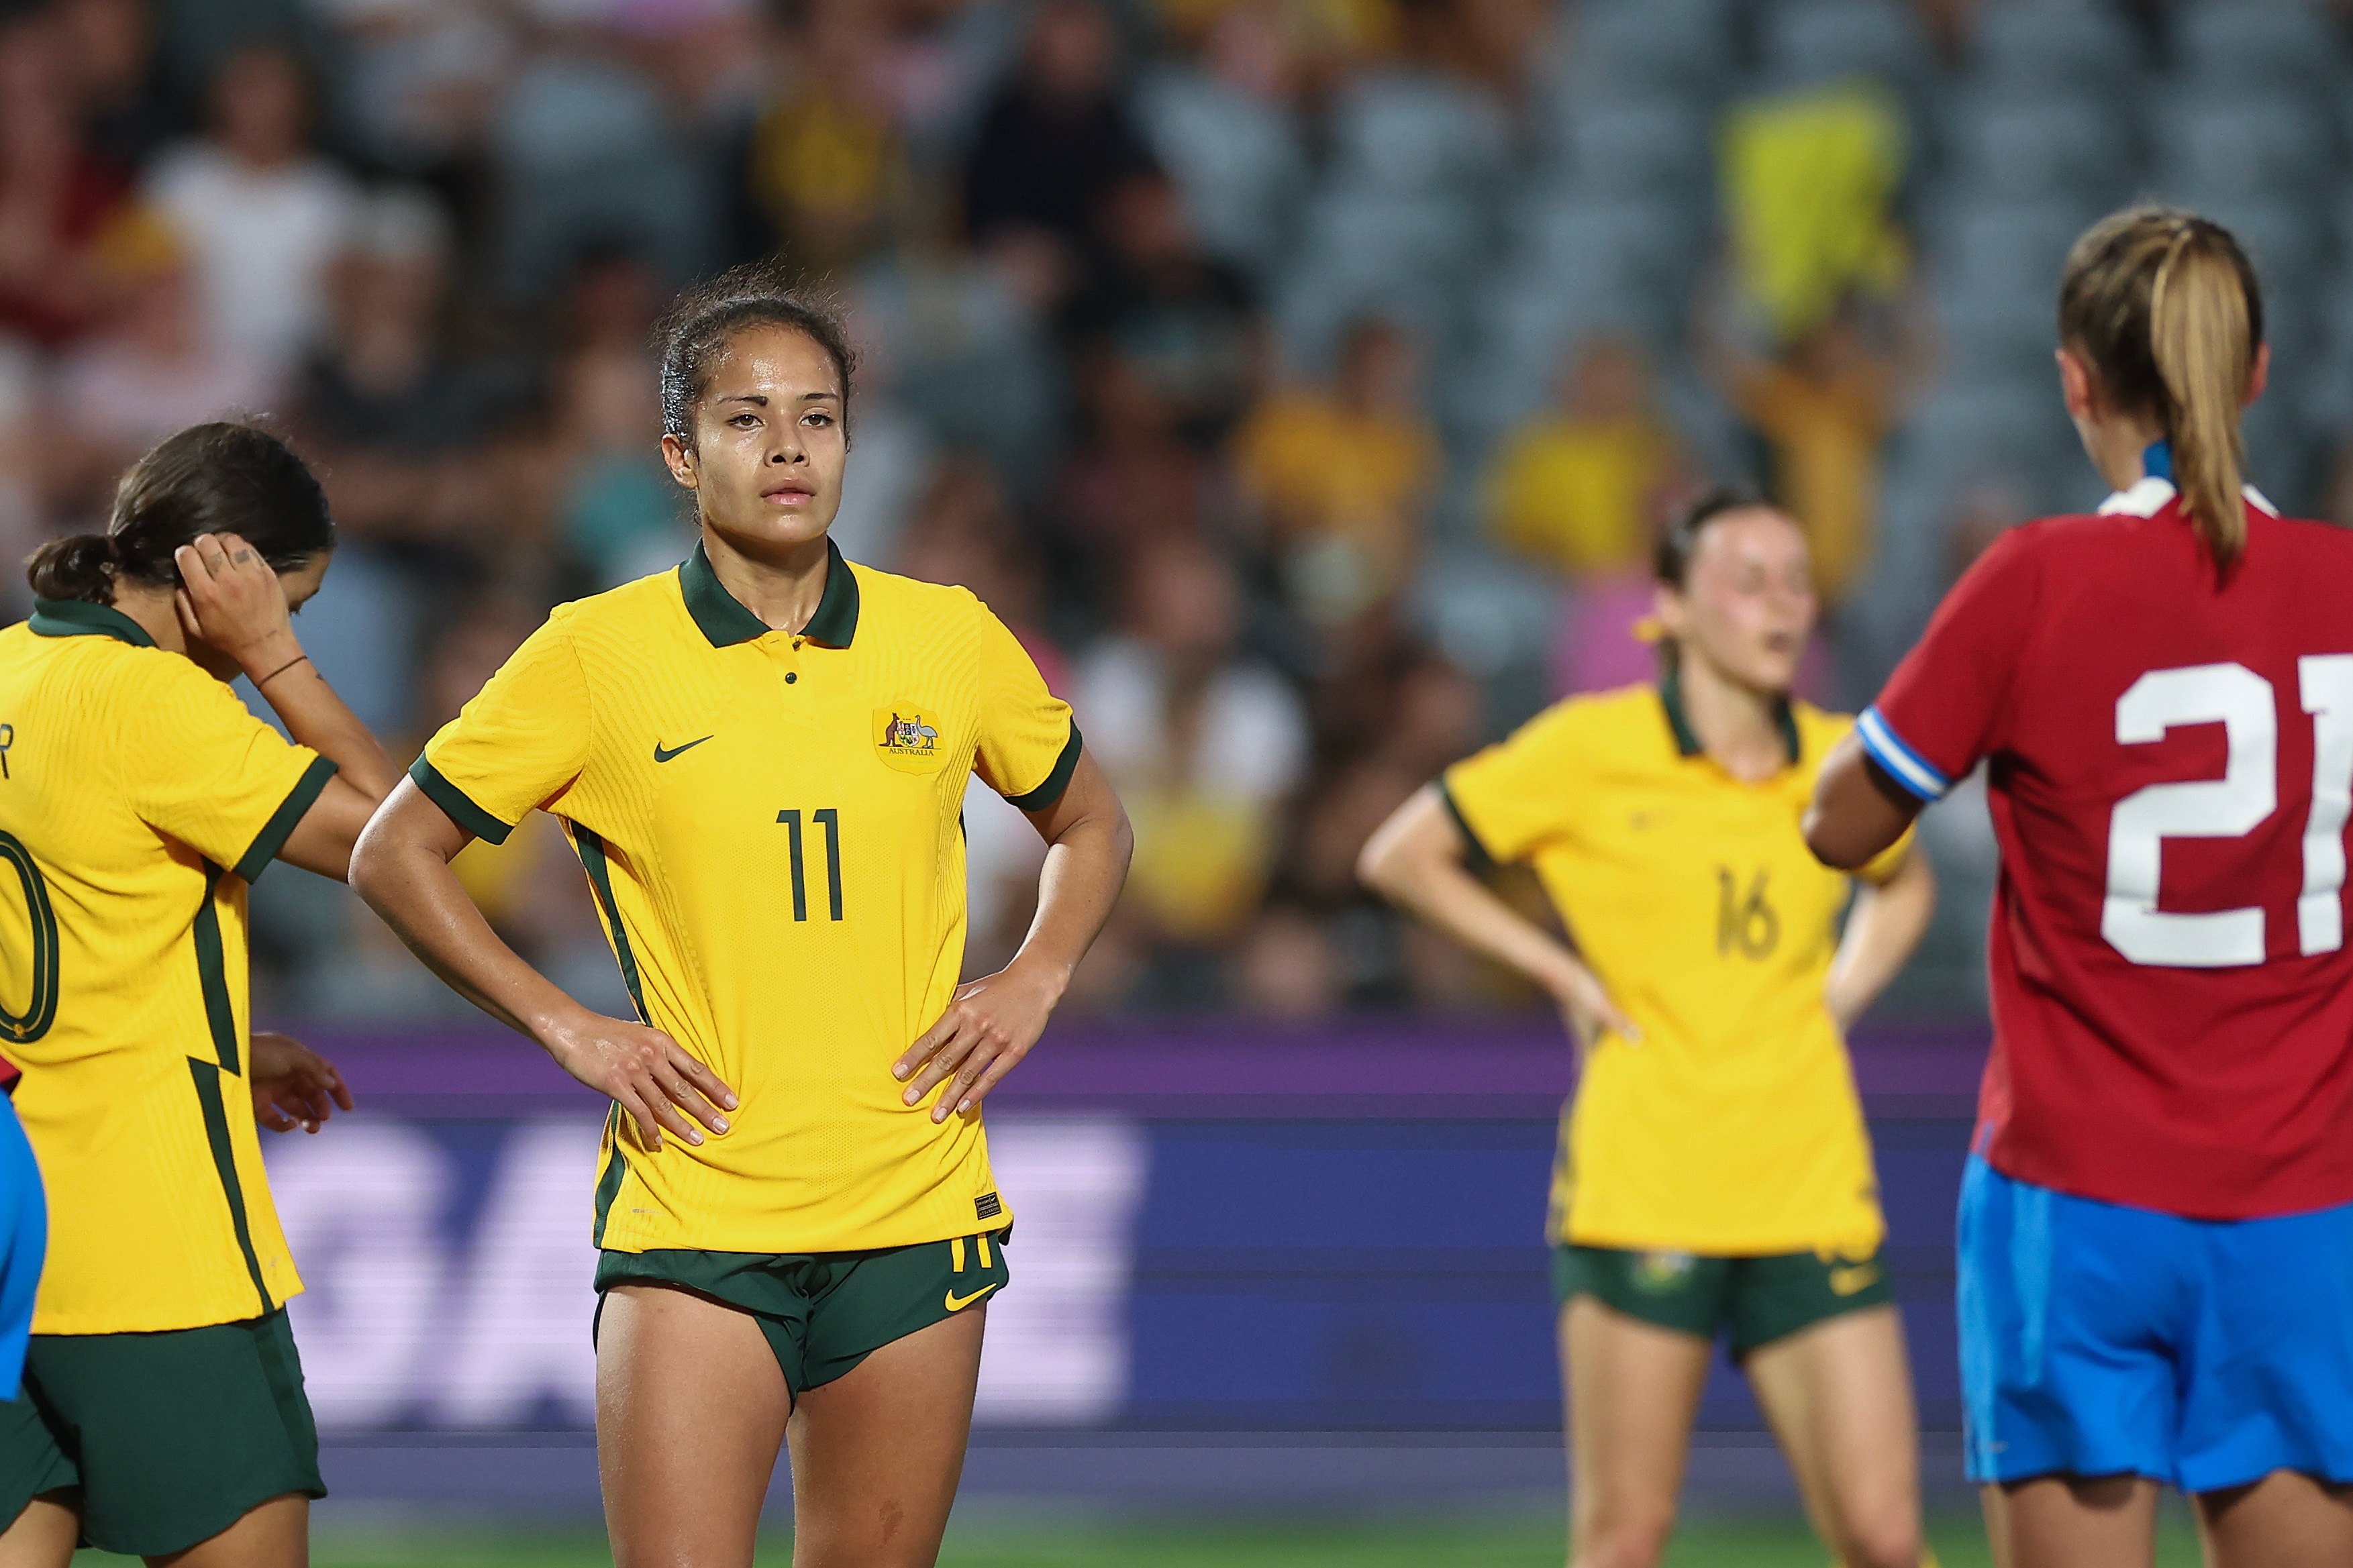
(297, 659)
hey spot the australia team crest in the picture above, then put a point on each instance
(908, 738)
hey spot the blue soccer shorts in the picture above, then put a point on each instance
(2100, 1339)
(24, 1241)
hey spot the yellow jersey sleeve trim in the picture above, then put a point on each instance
(457, 805)
(1056, 781)
(1479, 855)
(284, 820)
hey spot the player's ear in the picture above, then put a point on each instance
(680, 458)
(2077, 385)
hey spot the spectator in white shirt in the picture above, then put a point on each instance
(261, 214)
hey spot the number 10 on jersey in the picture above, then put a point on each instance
(2237, 802)
(830, 819)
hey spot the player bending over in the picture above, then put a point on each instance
(2156, 1223)
(761, 757)
(1713, 1173)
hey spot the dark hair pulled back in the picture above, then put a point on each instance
(222, 477)
(1671, 560)
(704, 320)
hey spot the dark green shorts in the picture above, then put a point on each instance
(170, 1436)
(1760, 1300)
(824, 1312)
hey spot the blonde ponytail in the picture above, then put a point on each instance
(2165, 307)
(2199, 338)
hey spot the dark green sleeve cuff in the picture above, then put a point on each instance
(457, 805)
(281, 823)
(1479, 855)
(1047, 794)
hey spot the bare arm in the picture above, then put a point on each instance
(993, 1022)
(1857, 811)
(1881, 934)
(402, 868)
(1415, 861)
(232, 600)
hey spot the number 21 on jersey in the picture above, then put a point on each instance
(2237, 802)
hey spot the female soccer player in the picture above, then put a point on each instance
(760, 757)
(162, 1411)
(2157, 1225)
(1713, 1171)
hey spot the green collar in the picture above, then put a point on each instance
(81, 618)
(723, 620)
(1671, 698)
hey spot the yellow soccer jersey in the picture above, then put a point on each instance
(1733, 1128)
(138, 797)
(772, 827)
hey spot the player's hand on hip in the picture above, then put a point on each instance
(293, 1086)
(646, 1073)
(1585, 1006)
(984, 1033)
(231, 598)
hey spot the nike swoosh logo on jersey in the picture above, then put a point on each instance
(958, 1303)
(662, 756)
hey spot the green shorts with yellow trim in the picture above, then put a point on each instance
(1760, 1300)
(824, 1312)
(170, 1437)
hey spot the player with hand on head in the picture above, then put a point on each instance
(2156, 1266)
(1714, 1169)
(163, 1413)
(761, 758)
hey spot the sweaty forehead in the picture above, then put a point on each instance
(772, 362)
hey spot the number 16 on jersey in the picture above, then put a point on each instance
(2237, 802)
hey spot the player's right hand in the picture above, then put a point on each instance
(1584, 1005)
(646, 1073)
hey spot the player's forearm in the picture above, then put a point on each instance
(1077, 888)
(1881, 937)
(411, 888)
(319, 719)
(1446, 896)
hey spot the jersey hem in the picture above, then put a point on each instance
(882, 1242)
(1771, 1247)
(1056, 783)
(1998, 1159)
(285, 820)
(457, 805)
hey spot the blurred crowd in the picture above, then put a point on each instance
(1303, 380)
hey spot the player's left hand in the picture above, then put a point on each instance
(986, 1030)
(293, 1086)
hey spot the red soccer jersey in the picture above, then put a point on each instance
(2169, 764)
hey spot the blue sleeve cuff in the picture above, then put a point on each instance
(1905, 766)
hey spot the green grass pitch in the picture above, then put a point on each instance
(1052, 1542)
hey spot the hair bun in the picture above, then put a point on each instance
(79, 566)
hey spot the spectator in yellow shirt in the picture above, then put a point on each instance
(1343, 475)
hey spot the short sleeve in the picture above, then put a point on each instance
(518, 745)
(1512, 797)
(1890, 861)
(205, 771)
(1945, 705)
(1029, 743)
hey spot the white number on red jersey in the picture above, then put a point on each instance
(2248, 791)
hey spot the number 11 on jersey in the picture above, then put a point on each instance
(830, 820)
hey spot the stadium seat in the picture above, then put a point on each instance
(1649, 48)
(2054, 45)
(1237, 158)
(1624, 247)
(1422, 134)
(1656, 147)
(2257, 43)
(1997, 247)
(2022, 148)
(2246, 142)
(1809, 41)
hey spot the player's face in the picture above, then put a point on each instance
(1747, 604)
(769, 450)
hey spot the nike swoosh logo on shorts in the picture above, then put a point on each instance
(662, 756)
(958, 1303)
